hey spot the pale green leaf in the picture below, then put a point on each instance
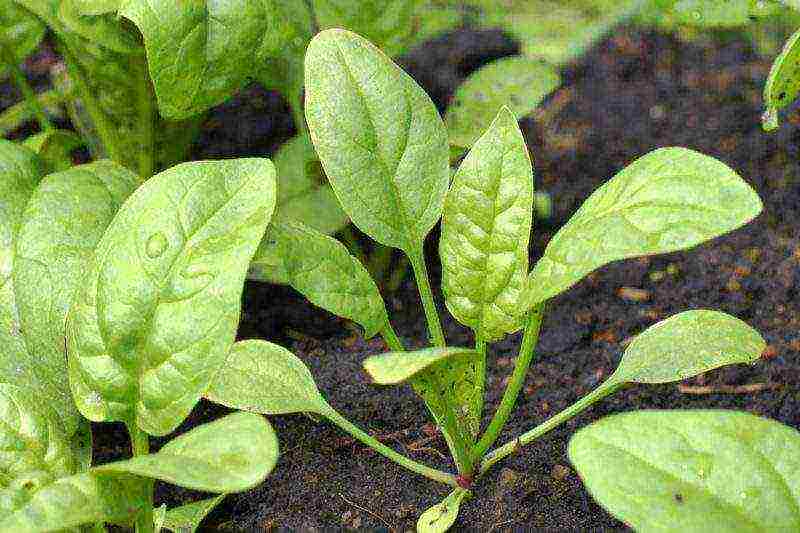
(265, 378)
(712, 13)
(783, 82)
(379, 137)
(80, 499)
(156, 314)
(398, 367)
(187, 518)
(96, 7)
(486, 227)
(688, 344)
(103, 29)
(321, 268)
(441, 516)
(200, 52)
(692, 471)
(61, 225)
(519, 82)
(231, 454)
(20, 33)
(670, 199)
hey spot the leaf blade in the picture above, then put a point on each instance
(783, 82)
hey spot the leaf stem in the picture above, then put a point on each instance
(389, 453)
(526, 351)
(22, 84)
(140, 442)
(147, 118)
(609, 386)
(417, 259)
(480, 386)
(392, 340)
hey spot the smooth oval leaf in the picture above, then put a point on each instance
(200, 52)
(688, 344)
(692, 470)
(519, 82)
(321, 268)
(380, 139)
(486, 227)
(156, 315)
(443, 515)
(394, 368)
(783, 82)
(77, 500)
(265, 378)
(62, 223)
(231, 454)
(187, 518)
(670, 199)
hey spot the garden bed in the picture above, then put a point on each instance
(633, 93)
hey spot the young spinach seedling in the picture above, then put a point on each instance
(148, 280)
(384, 148)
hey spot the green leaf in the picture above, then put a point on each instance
(231, 454)
(265, 378)
(692, 470)
(321, 268)
(398, 367)
(444, 378)
(304, 194)
(442, 516)
(20, 33)
(187, 518)
(688, 344)
(670, 199)
(486, 227)
(519, 82)
(17, 115)
(104, 29)
(77, 500)
(61, 225)
(54, 148)
(783, 82)
(156, 314)
(389, 24)
(200, 52)
(713, 13)
(379, 137)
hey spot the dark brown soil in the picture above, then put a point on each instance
(633, 93)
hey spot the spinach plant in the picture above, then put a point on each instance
(385, 149)
(146, 278)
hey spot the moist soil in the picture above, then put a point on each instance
(634, 92)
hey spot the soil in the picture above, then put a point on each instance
(634, 92)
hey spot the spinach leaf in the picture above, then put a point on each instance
(15, 116)
(688, 344)
(20, 33)
(231, 454)
(783, 82)
(187, 518)
(692, 470)
(379, 137)
(486, 227)
(54, 148)
(156, 315)
(442, 516)
(64, 220)
(670, 199)
(520, 82)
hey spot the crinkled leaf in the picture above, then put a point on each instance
(389, 24)
(445, 379)
(519, 82)
(379, 137)
(200, 52)
(688, 344)
(486, 227)
(231, 454)
(55, 148)
(321, 268)
(783, 82)
(265, 378)
(441, 516)
(670, 199)
(61, 225)
(692, 470)
(20, 33)
(156, 315)
(77, 500)
(187, 518)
